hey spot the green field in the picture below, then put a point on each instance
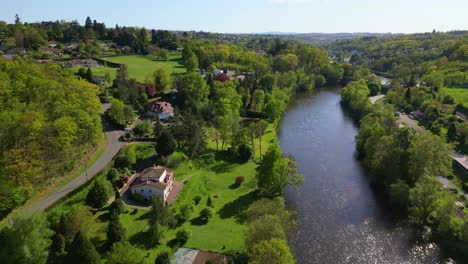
(211, 175)
(459, 94)
(99, 71)
(140, 67)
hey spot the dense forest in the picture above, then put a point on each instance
(49, 119)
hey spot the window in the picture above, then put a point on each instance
(141, 190)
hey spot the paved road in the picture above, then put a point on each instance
(374, 99)
(112, 148)
(411, 123)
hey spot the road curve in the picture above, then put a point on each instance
(113, 145)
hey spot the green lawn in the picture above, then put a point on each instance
(459, 94)
(140, 66)
(211, 175)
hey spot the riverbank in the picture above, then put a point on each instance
(341, 219)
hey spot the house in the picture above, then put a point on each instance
(163, 109)
(418, 114)
(52, 44)
(52, 51)
(152, 181)
(100, 80)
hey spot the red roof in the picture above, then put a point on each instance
(162, 107)
(222, 77)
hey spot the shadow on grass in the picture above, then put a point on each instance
(141, 239)
(198, 221)
(145, 163)
(234, 186)
(145, 216)
(236, 207)
(104, 217)
(173, 243)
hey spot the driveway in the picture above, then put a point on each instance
(112, 148)
(411, 123)
(374, 99)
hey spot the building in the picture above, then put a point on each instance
(52, 51)
(154, 181)
(163, 109)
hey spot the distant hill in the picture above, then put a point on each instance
(324, 38)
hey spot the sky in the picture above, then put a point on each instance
(253, 16)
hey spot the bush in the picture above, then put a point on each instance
(185, 213)
(197, 199)
(138, 198)
(182, 236)
(96, 197)
(112, 175)
(209, 202)
(244, 152)
(117, 207)
(239, 180)
(175, 159)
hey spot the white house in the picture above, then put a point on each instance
(153, 181)
(163, 109)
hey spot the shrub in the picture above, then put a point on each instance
(182, 236)
(244, 152)
(117, 207)
(112, 175)
(209, 202)
(175, 159)
(197, 199)
(185, 213)
(239, 180)
(96, 197)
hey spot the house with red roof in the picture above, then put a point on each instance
(163, 109)
(152, 181)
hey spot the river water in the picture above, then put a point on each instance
(340, 218)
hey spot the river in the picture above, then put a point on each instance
(340, 218)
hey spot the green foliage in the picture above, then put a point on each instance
(175, 159)
(162, 79)
(120, 114)
(97, 196)
(125, 253)
(143, 129)
(82, 250)
(71, 223)
(49, 119)
(117, 207)
(56, 250)
(197, 199)
(399, 193)
(275, 172)
(182, 236)
(272, 251)
(264, 228)
(185, 212)
(165, 143)
(423, 198)
(356, 96)
(192, 89)
(27, 241)
(115, 231)
(162, 258)
(205, 215)
(158, 210)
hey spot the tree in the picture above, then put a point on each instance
(182, 236)
(429, 155)
(117, 207)
(142, 129)
(209, 202)
(264, 228)
(258, 100)
(155, 233)
(115, 230)
(244, 152)
(399, 193)
(239, 180)
(27, 241)
(125, 253)
(162, 258)
(185, 212)
(89, 75)
(96, 197)
(88, 23)
(162, 79)
(423, 198)
(165, 143)
(197, 199)
(192, 89)
(158, 210)
(77, 220)
(56, 250)
(274, 251)
(82, 251)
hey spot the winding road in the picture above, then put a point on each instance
(112, 148)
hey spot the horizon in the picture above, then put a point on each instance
(261, 16)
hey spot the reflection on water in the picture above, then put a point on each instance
(340, 218)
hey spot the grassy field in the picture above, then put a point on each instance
(459, 94)
(211, 175)
(140, 66)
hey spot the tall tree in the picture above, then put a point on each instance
(82, 251)
(273, 251)
(162, 258)
(96, 197)
(115, 230)
(165, 143)
(57, 250)
(125, 253)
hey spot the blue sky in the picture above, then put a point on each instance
(246, 16)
